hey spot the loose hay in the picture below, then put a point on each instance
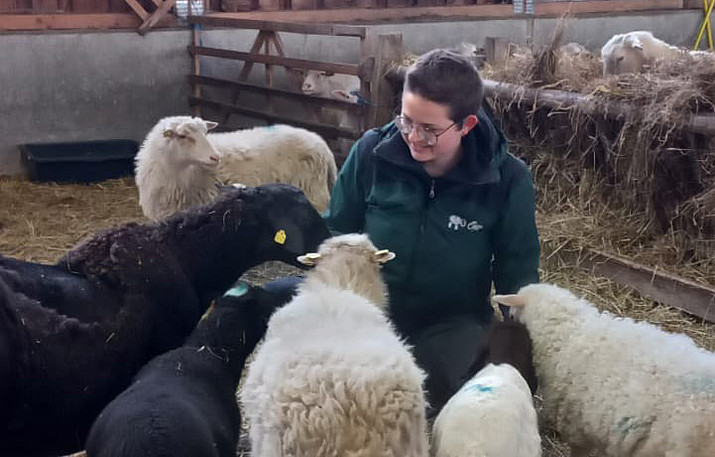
(645, 161)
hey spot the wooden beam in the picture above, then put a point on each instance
(369, 14)
(141, 12)
(75, 21)
(271, 26)
(322, 129)
(297, 96)
(348, 69)
(603, 6)
(665, 288)
(558, 99)
(155, 17)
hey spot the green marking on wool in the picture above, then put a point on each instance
(237, 291)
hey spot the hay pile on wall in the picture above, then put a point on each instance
(645, 160)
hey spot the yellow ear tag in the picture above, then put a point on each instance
(280, 237)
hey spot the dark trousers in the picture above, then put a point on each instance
(450, 351)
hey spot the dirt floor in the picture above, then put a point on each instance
(40, 222)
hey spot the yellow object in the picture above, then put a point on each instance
(708, 9)
(280, 236)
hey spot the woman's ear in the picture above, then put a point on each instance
(469, 123)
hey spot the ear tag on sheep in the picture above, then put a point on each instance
(280, 237)
(309, 259)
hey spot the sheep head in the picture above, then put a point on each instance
(350, 262)
(186, 138)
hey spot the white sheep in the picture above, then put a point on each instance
(630, 52)
(622, 387)
(493, 414)
(332, 378)
(179, 164)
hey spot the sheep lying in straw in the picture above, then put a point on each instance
(123, 297)
(180, 164)
(332, 378)
(621, 387)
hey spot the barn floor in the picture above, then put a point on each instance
(40, 222)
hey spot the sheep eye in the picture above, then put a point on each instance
(619, 58)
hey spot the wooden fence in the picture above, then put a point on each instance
(378, 52)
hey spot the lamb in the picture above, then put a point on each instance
(142, 289)
(329, 85)
(630, 52)
(183, 402)
(332, 377)
(493, 414)
(621, 387)
(180, 164)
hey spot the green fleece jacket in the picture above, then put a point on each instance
(453, 235)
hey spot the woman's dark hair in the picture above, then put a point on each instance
(448, 78)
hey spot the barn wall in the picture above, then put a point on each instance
(103, 85)
(87, 86)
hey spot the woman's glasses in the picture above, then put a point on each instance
(427, 136)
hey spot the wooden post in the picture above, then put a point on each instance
(381, 52)
(196, 40)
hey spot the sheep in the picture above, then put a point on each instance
(180, 164)
(493, 414)
(630, 52)
(622, 387)
(329, 85)
(183, 402)
(332, 377)
(147, 285)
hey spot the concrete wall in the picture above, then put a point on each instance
(87, 86)
(102, 85)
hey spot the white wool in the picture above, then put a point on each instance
(629, 52)
(616, 385)
(491, 415)
(177, 172)
(279, 153)
(332, 378)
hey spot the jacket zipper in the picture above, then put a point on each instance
(423, 223)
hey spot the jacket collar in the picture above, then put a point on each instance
(484, 149)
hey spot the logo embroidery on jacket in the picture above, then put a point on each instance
(456, 223)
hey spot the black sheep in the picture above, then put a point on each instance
(126, 295)
(183, 403)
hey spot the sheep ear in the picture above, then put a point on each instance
(309, 259)
(382, 256)
(340, 94)
(210, 125)
(634, 42)
(510, 300)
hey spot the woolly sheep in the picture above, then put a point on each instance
(332, 378)
(180, 164)
(183, 403)
(125, 296)
(622, 387)
(493, 415)
(629, 52)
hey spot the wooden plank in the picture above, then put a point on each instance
(671, 290)
(155, 17)
(45, 6)
(222, 20)
(346, 15)
(604, 6)
(297, 96)
(322, 129)
(348, 69)
(75, 21)
(141, 12)
(558, 99)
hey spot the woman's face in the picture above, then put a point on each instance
(440, 157)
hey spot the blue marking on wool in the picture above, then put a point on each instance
(479, 388)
